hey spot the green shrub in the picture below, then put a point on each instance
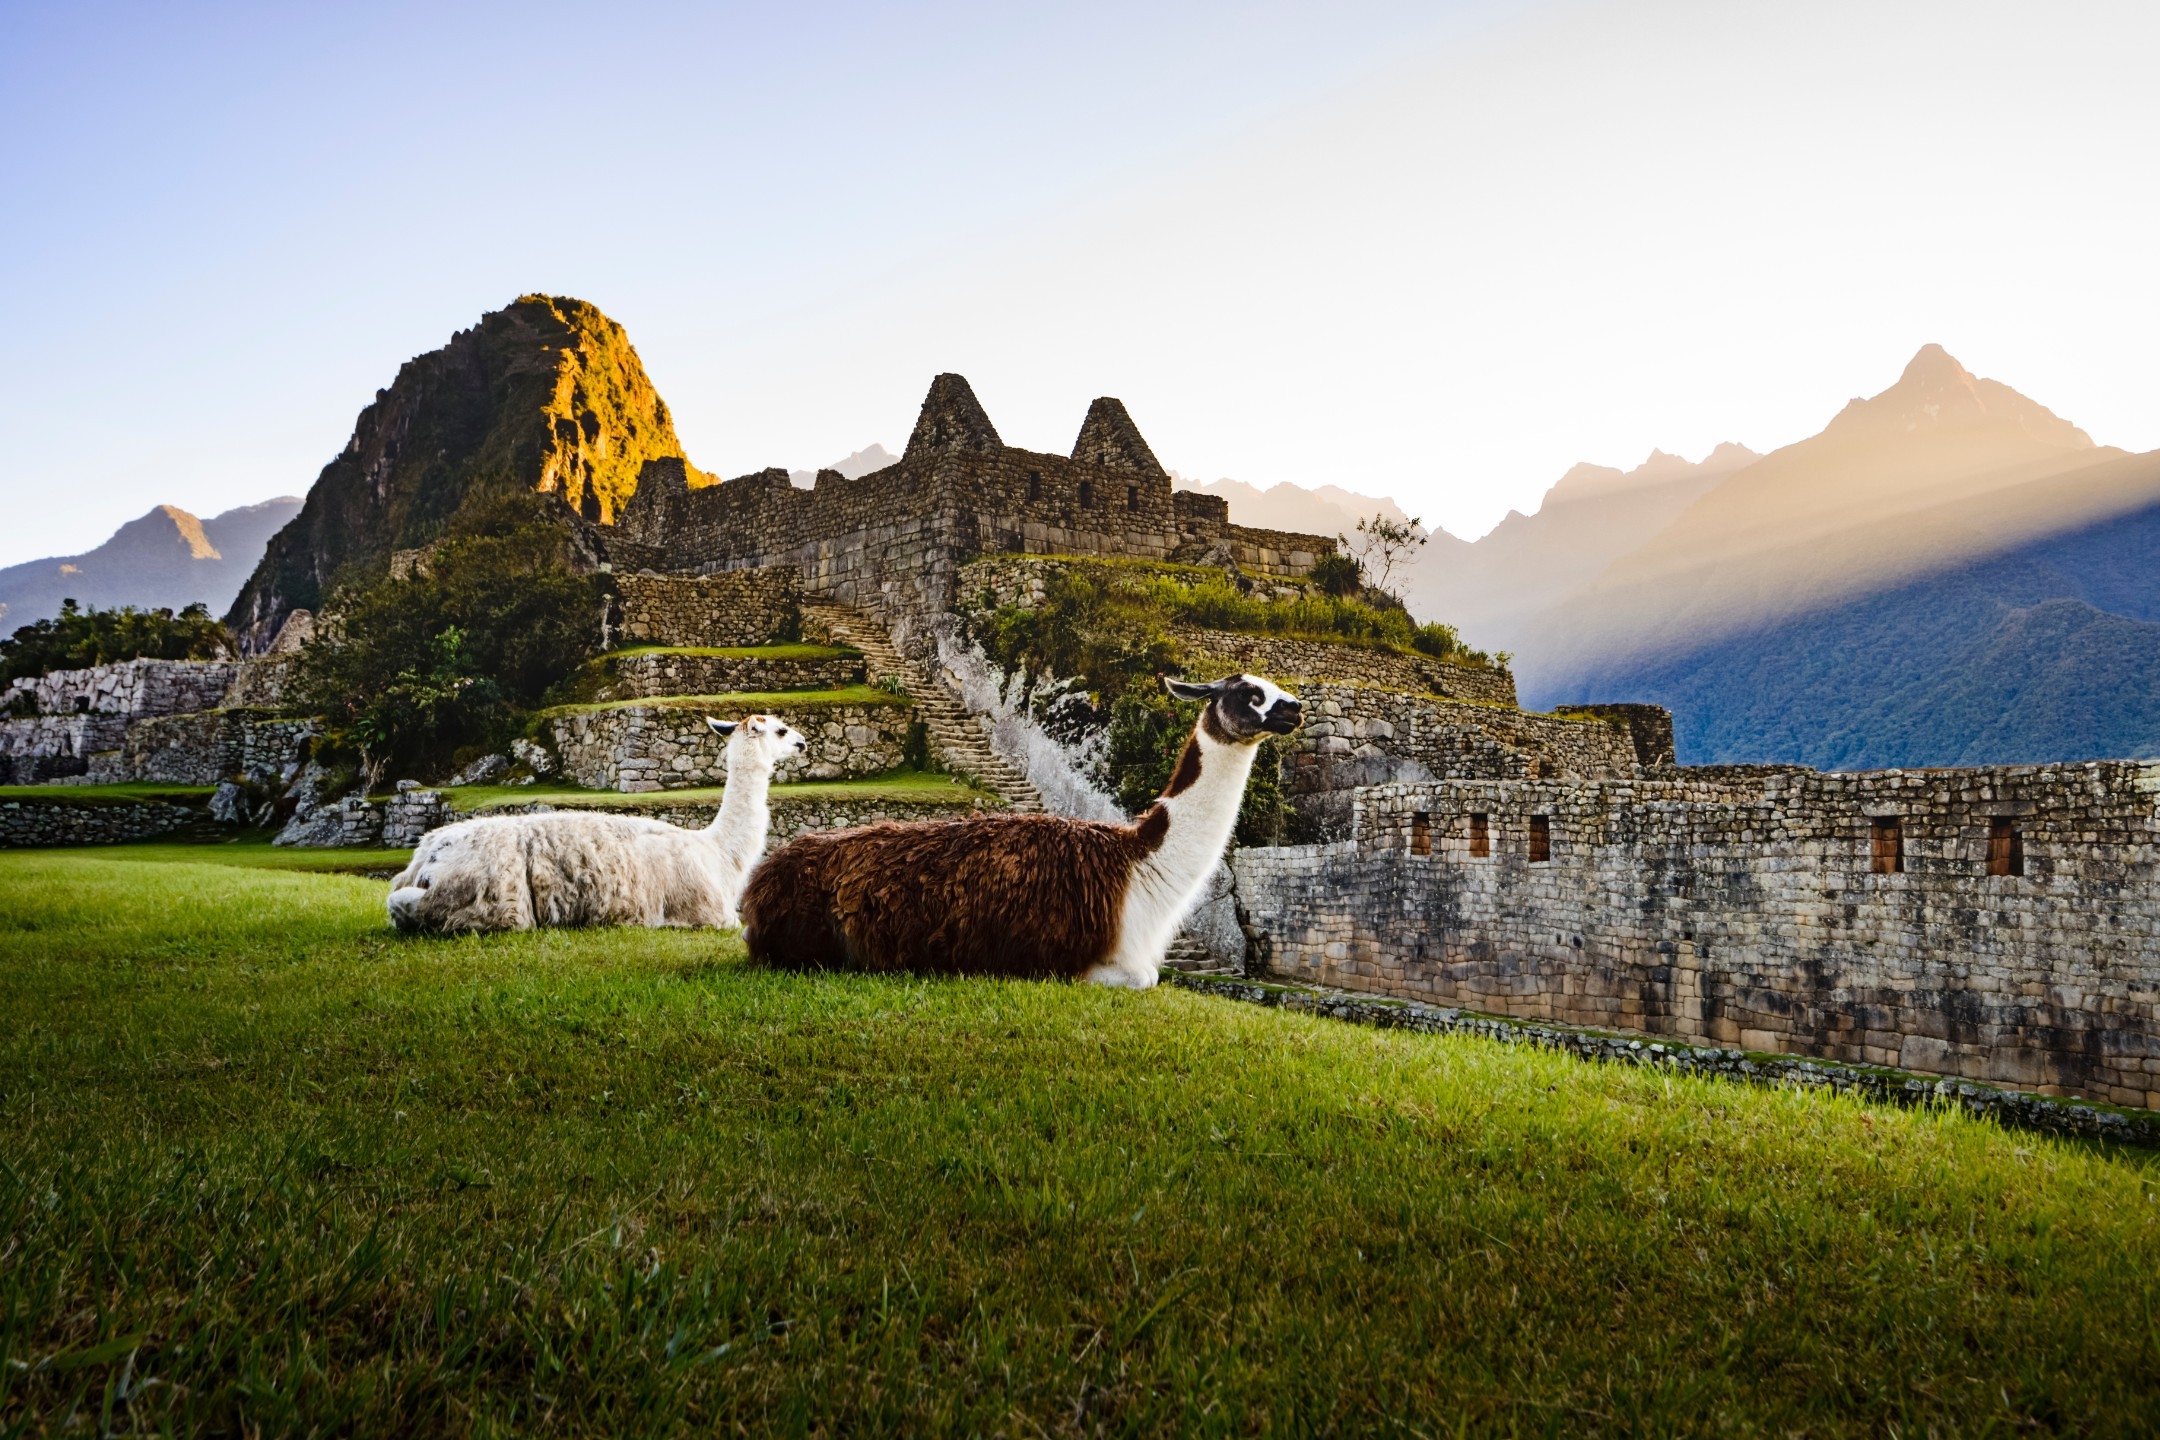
(413, 670)
(1337, 575)
(77, 638)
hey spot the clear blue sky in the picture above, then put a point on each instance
(1436, 250)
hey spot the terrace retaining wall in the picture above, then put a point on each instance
(637, 749)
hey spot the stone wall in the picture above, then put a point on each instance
(1853, 917)
(27, 824)
(262, 683)
(1357, 735)
(214, 745)
(133, 688)
(892, 539)
(51, 747)
(740, 607)
(399, 822)
(636, 749)
(671, 673)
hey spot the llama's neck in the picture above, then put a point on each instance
(744, 819)
(1202, 815)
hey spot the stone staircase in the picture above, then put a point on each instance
(1187, 956)
(955, 733)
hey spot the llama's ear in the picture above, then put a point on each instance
(1184, 691)
(722, 727)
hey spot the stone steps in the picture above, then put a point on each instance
(1188, 957)
(955, 732)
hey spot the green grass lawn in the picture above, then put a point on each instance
(270, 1168)
(252, 851)
(132, 792)
(899, 786)
(727, 707)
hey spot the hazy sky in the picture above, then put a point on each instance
(1439, 251)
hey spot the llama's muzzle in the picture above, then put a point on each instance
(1284, 716)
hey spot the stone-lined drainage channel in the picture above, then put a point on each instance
(2024, 1111)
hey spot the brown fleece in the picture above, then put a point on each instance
(1187, 773)
(1023, 895)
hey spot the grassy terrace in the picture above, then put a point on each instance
(726, 706)
(268, 1167)
(127, 793)
(899, 786)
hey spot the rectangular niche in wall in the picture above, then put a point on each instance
(1132, 497)
(1034, 478)
(1421, 833)
(1540, 839)
(1887, 844)
(1087, 494)
(1480, 837)
(2006, 848)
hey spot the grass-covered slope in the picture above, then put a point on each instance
(269, 1168)
(544, 395)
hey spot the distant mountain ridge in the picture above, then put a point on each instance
(169, 558)
(1493, 587)
(1948, 573)
(866, 461)
(1314, 510)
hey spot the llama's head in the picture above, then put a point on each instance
(754, 739)
(1242, 709)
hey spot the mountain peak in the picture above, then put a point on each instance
(1938, 396)
(1932, 362)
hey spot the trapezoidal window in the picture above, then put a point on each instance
(2006, 848)
(1886, 844)
(1480, 837)
(1087, 494)
(1421, 833)
(1034, 478)
(1540, 839)
(1132, 497)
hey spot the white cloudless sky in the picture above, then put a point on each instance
(1436, 251)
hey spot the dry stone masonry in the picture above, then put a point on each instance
(675, 672)
(739, 607)
(637, 749)
(1995, 924)
(67, 820)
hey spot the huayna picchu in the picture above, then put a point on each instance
(984, 611)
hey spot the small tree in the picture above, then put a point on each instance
(1382, 544)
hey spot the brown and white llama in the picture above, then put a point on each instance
(1023, 895)
(572, 867)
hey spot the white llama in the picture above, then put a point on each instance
(574, 867)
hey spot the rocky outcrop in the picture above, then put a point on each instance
(543, 396)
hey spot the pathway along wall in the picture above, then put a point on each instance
(1995, 924)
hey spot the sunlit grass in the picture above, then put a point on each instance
(269, 1167)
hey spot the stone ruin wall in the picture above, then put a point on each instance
(133, 688)
(649, 676)
(1359, 735)
(1744, 906)
(893, 540)
(28, 824)
(400, 820)
(739, 607)
(210, 746)
(637, 749)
